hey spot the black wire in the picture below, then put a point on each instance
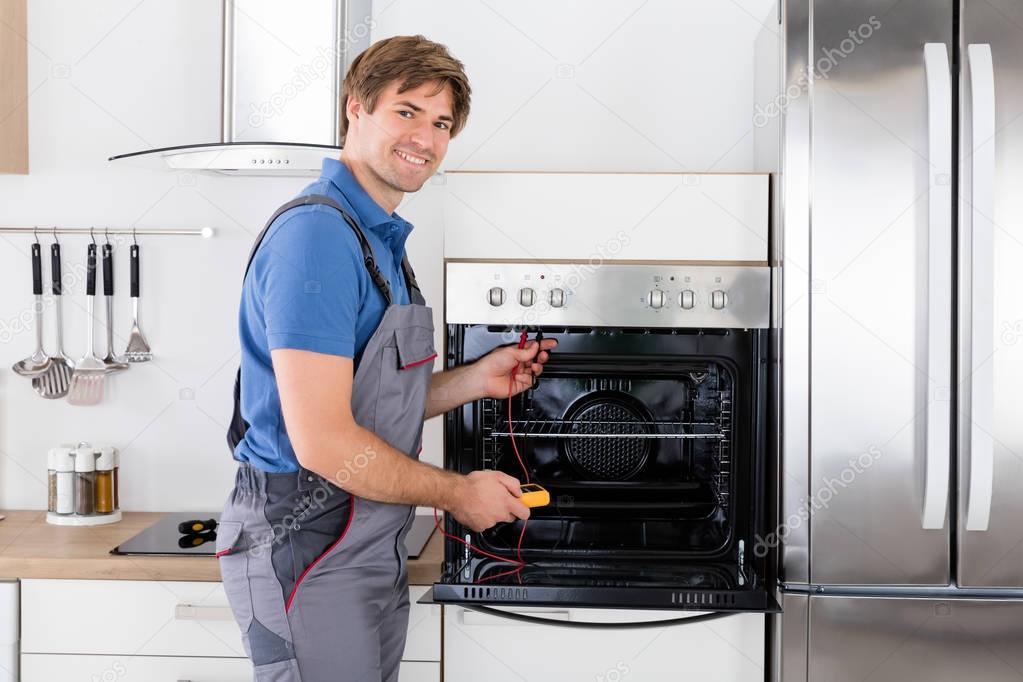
(561, 522)
(634, 624)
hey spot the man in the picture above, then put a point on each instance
(335, 382)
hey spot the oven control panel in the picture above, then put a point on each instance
(607, 294)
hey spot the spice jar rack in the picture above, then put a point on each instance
(83, 485)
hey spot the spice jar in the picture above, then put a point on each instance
(64, 470)
(105, 481)
(51, 480)
(85, 480)
(117, 476)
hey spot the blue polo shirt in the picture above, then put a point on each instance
(308, 288)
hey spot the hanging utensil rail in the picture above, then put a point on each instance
(205, 232)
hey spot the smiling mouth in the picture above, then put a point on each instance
(417, 161)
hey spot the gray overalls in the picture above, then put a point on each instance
(317, 577)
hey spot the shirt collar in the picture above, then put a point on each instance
(371, 216)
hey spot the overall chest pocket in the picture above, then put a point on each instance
(405, 370)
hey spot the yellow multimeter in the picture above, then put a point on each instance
(534, 495)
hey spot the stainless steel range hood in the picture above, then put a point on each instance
(282, 70)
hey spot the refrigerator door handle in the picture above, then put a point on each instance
(939, 285)
(982, 205)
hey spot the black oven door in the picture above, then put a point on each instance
(653, 448)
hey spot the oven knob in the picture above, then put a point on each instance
(496, 296)
(557, 298)
(718, 299)
(656, 298)
(687, 299)
(527, 296)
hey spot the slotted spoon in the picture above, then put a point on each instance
(113, 363)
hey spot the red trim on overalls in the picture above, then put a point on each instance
(222, 552)
(348, 524)
(419, 362)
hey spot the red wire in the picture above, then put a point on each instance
(525, 472)
(518, 456)
(436, 523)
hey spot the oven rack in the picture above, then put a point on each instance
(580, 428)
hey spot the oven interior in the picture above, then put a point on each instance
(646, 445)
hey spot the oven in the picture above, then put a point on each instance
(648, 428)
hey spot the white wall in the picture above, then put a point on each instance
(658, 85)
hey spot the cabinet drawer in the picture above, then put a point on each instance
(128, 618)
(75, 668)
(729, 649)
(147, 618)
(423, 641)
(419, 671)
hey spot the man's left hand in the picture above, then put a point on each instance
(495, 369)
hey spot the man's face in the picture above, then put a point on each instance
(406, 137)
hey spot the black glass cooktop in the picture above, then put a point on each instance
(164, 539)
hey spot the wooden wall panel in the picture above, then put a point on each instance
(13, 87)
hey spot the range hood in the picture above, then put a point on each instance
(281, 79)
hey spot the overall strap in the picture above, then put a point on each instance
(367, 251)
(414, 294)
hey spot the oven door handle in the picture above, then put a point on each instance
(937, 401)
(564, 619)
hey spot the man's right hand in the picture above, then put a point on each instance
(485, 498)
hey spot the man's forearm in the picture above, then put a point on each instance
(452, 388)
(366, 466)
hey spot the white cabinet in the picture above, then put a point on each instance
(78, 668)
(127, 617)
(423, 640)
(728, 649)
(9, 599)
(419, 671)
(155, 631)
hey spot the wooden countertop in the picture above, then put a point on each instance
(32, 548)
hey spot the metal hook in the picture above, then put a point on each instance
(55, 240)
(134, 236)
(35, 232)
(92, 234)
(106, 234)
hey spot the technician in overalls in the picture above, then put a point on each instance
(336, 380)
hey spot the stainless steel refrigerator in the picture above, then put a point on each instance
(901, 305)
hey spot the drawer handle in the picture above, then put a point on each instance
(196, 613)
(470, 617)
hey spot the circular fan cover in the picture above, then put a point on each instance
(607, 458)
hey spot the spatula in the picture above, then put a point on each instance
(90, 372)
